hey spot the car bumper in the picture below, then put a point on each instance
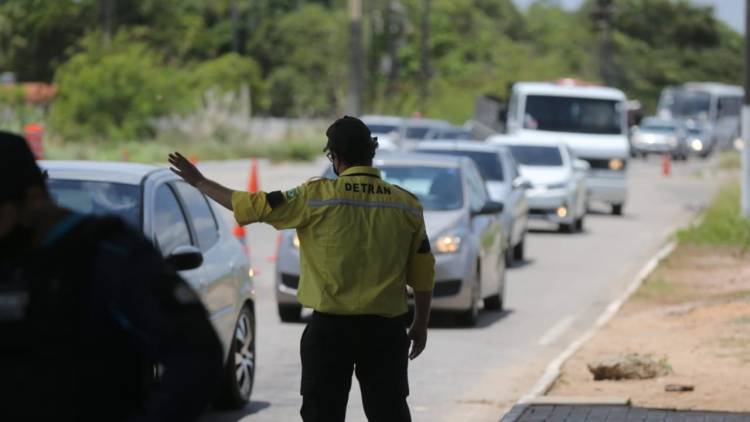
(653, 148)
(607, 186)
(544, 205)
(452, 291)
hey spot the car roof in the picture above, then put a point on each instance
(459, 145)
(530, 140)
(562, 90)
(419, 159)
(382, 119)
(114, 172)
(431, 123)
(715, 88)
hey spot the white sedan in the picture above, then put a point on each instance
(558, 181)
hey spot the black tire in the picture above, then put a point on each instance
(579, 224)
(565, 227)
(290, 313)
(518, 251)
(616, 209)
(237, 388)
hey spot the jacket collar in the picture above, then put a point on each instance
(361, 171)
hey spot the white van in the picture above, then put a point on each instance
(591, 120)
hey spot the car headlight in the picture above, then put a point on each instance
(557, 186)
(295, 241)
(616, 164)
(448, 244)
(672, 141)
(696, 144)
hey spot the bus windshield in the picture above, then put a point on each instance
(573, 114)
(686, 103)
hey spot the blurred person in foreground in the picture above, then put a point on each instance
(88, 309)
(362, 240)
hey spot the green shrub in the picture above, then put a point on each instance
(722, 223)
(229, 73)
(113, 92)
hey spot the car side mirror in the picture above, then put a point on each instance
(581, 165)
(490, 207)
(185, 257)
(522, 183)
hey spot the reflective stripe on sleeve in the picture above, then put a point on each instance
(364, 204)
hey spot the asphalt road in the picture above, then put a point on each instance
(477, 374)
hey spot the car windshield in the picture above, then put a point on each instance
(99, 198)
(382, 128)
(686, 103)
(532, 155)
(571, 114)
(417, 132)
(657, 126)
(488, 162)
(457, 135)
(438, 188)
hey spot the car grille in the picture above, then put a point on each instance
(539, 211)
(289, 280)
(601, 163)
(446, 288)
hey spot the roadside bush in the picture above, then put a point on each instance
(722, 225)
(113, 92)
(229, 73)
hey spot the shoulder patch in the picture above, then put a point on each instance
(291, 194)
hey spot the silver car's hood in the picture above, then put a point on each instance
(544, 175)
(438, 222)
(499, 191)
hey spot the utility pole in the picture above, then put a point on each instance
(602, 16)
(424, 52)
(106, 15)
(234, 17)
(354, 107)
(745, 181)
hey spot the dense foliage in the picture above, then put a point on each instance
(117, 71)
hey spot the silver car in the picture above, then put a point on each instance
(655, 135)
(558, 192)
(181, 222)
(463, 225)
(504, 184)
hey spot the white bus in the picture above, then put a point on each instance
(591, 120)
(713, 106)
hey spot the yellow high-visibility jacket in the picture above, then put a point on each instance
(362, 240)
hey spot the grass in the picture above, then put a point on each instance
(729, 160)
(157, 150)
(722, 224)
(658, 289)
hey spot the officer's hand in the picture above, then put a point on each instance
(418, 336)
(184, 168)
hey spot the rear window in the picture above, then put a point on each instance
(489, 163)
(529, 155)
(415, 132)
(382, 128)
(438, 188)
(98, 198)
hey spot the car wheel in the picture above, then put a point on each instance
(240, 367)
(579, 224)
(565, 228)
(290, 313)
(616, 209)
(518, 250)
(469, 317)
(495, 302)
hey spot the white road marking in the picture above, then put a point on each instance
(553, 369)
(556, 331)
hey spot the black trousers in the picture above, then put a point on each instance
(375, 348)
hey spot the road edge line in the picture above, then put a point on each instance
(553, 370)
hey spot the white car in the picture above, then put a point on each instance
(558, 191)
(181, 222)
(386, 128)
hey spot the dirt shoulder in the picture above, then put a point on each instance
(693, 310)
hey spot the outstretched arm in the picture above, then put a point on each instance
(185, 169)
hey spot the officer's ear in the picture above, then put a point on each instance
(34, 196)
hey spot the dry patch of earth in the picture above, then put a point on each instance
(694, 311)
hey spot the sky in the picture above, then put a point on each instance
(730, 11)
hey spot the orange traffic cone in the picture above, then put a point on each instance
(252, 184)
(666, 164)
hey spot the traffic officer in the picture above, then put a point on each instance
(88, 310)
(362, 240)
